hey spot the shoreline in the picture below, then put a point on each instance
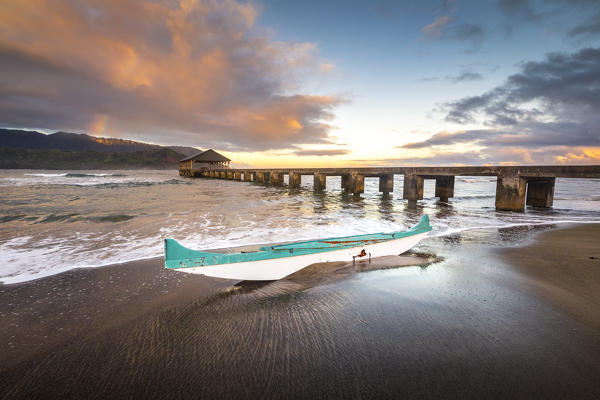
(486, 321)
(560, 225)
(564, 272)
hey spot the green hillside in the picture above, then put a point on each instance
(161, 158)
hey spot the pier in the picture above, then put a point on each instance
(515, 187)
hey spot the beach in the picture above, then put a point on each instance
(502, 313)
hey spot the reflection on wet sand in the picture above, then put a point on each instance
(330, 272)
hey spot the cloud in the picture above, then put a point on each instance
(529, 135)
(435, 30)
(450, 138)
(445, 27)
(556, 155)
(591, 27)
(192, 72)
(523, 11)
(561, 87)
(465, 76)
(326, 68)
(548, 111)
(329, 152)
(438, 158)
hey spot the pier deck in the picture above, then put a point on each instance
(516, 185)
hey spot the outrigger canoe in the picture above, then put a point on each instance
(278, 261)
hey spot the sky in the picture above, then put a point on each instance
(313, 83)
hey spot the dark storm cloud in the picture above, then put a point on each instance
(551, 105)
(565, 87)
(529, 135)
(193, 72)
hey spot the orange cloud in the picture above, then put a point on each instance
(197, 72)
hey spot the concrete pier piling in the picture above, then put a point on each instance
(413, 189)
(510, 193)
(357, 183)
(516, 187)
(346, 182)
(295, 180)
(386, 184)
(320, 181)
(444, 187)
(540, 193)
(277, 178)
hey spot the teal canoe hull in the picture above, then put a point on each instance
(181, 258)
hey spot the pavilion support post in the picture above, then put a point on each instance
(247, 176)
(259, 177)
(223, 174)
(357, 183)
(413, 189)
(319, 182)
(237, 175)
(540, 193)
(444, 187)
(277, 178)
(510, 193)
(295, 179)
(386, 184)
(229, 174)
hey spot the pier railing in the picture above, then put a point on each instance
(516, 185)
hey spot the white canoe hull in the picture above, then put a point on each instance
(278, 268)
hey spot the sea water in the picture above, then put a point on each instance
(54, 221)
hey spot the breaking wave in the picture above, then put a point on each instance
(75, 175)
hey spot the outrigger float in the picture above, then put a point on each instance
(278, 261)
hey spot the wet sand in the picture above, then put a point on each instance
(494, 318)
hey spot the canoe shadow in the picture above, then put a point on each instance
(331, 272)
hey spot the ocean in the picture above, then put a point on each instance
(54, 221)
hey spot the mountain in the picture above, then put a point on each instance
(64, 150)
(78, 142)
(162, 158)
